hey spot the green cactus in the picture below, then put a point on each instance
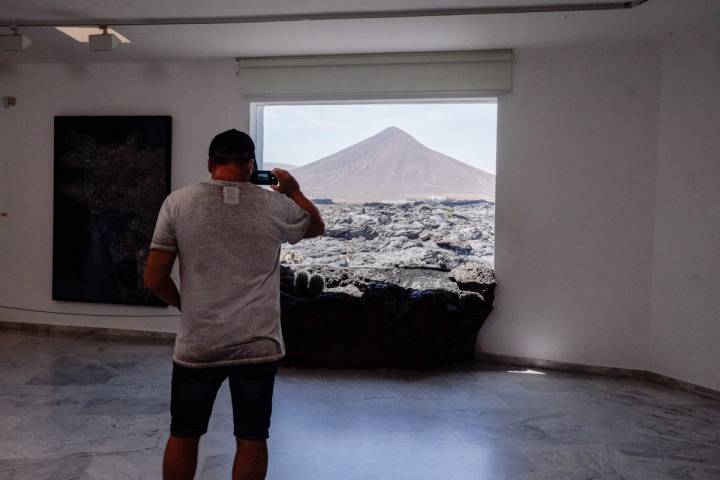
(316, 284)
(301, 282)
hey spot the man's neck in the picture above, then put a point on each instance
(229, 174)
(229, 178)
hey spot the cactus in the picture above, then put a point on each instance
(301, 282)
(316, 284)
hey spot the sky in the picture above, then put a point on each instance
(300, 134)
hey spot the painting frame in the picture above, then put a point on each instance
(110, 177)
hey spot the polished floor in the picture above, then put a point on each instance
(73, 409)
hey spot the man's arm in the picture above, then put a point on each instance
(157, 277)
(317, 226)
(290, 187)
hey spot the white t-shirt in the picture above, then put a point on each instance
(227, 236)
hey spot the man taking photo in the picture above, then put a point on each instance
(226, 233)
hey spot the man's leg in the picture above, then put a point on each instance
(251, 389)
(191, 401)
(251, 460)
(180, 458)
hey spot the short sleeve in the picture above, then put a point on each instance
(164, 236)
(293, 220)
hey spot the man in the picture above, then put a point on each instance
(227, 234)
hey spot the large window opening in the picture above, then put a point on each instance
(398, 184)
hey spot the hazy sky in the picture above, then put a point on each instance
(299, 134)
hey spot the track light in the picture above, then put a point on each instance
(103, 42)
(14, 42)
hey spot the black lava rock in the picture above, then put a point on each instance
(385, 324)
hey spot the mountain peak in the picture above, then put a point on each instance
(392, 165)
(394, 132)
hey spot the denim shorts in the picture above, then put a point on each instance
(194, 390)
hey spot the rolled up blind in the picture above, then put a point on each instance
(392, 75)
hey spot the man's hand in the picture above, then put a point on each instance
(286, 182)
(290, 187)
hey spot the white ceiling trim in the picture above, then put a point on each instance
(376, 59)
(324, 16)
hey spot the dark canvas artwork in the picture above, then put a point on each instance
(111, 177)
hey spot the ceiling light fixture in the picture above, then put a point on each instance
(82, 34)
(15, 42)
(103, 42)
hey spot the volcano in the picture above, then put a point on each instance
(393, 166)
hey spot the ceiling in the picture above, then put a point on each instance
(645, 23)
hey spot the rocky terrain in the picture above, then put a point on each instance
(405, 282)
(406, 285)
(433, 234)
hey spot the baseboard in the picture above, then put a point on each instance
(599, 370)
(166, 338)
(70, 331)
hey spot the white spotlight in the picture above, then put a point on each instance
(103, 42)
(14, 42)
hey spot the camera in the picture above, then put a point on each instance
(263, 177)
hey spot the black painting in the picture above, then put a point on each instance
(111, 177)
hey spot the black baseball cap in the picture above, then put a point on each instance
(233, 145)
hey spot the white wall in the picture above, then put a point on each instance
(608, 209)
(685, 317)
(574, 217)
(578, 211)
(202, 99)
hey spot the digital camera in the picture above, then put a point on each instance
(263, 177)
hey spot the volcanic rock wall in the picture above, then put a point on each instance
(414, 318)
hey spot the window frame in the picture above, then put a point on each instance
(257, 111)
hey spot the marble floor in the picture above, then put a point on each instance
(75, 409)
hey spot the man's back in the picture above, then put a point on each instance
(227, 236)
